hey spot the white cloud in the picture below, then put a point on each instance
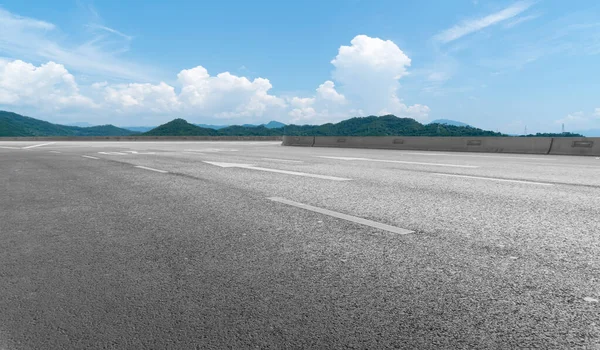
(135, 98)
(366, 75)
(368, 72)
(580, 120)
(222, 96)
(474, 25)
(35, 40)
(49, 86)
(226, 95)
(520, 20)
(327, 92)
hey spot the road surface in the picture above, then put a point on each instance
(254, 245)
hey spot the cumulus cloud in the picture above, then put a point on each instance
(226, 95)
(135, 98)
(597, 112)
(327, 92)
(365, 81)
(368, 72)
(48, 86)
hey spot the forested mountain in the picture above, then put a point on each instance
(180, 127)
(449, 122)
(387, 125)
(13, 124)
(237, 130)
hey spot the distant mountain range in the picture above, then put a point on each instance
(270, 125)
(449, 122)
(81, 124)
(12, 124)
(371, 126)
(180, 127)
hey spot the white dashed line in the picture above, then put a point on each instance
(252, 167)
(496, 179)
(151, 169)
(113, 153)
(54, 151)
(335, 214)
(283, 160)
(473, 156)
(90, 157)
(40, 145)
(401, 162)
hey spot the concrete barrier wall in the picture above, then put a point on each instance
(588, 146)
(305, 141)
(580, 146)
(538, 145)
(145, 138)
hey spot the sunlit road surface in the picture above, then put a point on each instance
(254, 245)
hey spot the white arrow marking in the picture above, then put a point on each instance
(401, 162)
(40, 145)
(252, 167)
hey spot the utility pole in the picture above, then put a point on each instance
(525, 129)
(563, 128)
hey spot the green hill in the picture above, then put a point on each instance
(13, 124)
(261, 130)
(387, 125)
(180, 127)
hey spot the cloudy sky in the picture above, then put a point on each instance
(500, 65)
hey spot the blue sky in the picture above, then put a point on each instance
(501, 65)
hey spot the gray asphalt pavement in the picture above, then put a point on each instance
(177, 245)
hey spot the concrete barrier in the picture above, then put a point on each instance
(530, 145)
(578, 146)
(303, 141)
(145, 138)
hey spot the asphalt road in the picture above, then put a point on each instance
(146, 245)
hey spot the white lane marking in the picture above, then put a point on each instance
(90, 157)
(7, 147)
(136, 152)
(474, 155)
(335, 214)
(40, 145)
(497, 179)
(212, 150)
(151, 169)
(563, 165)
(283, 160)
(401, 162)
(54, 151)
(113, 153)
(193, 153)
(252, 167)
